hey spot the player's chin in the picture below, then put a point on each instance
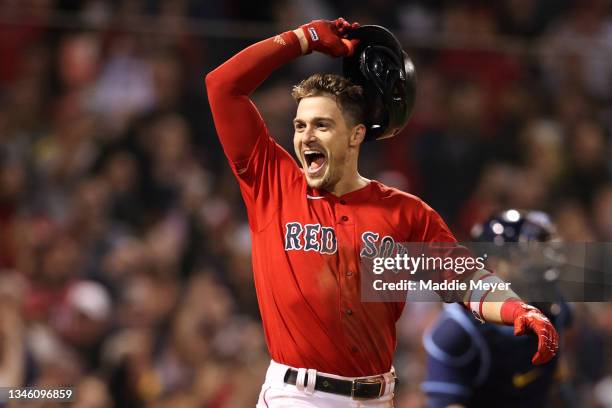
(317, 181)
(314, 182)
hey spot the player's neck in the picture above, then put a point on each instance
(349, 184)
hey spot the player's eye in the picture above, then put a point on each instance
(299, 126)
(322, 125)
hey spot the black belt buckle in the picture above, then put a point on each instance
(378, 380)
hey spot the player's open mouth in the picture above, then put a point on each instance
(314, 161)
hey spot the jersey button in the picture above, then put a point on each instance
(349, 273)
(349, 312)
(343, 202)
(344, 218)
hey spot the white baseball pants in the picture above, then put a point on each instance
(276, 394)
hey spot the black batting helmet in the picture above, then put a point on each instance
(387, 76)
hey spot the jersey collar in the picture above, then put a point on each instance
(362, 194)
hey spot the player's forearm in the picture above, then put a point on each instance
(245, 71)
(488, 305)
(492, 311)
(238, 123)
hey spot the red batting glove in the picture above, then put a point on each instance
(526, 318)
(329, 37)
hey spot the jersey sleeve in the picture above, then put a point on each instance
(439, 242)
(258, 162)
(452, 363)
(431, 227)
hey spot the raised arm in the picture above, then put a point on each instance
(238, 123)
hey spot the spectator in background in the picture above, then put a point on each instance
(588, 161)
(577, 51)
(602, 208)
(454, 156)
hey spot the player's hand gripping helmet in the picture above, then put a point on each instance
(387, 76)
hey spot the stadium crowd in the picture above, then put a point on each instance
(124, 248)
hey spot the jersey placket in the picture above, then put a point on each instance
(347, 275)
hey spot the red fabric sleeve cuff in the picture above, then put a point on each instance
(509, 310)
(293, 42)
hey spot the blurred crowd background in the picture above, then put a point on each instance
(124, 248)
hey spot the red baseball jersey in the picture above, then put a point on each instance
(307, 243)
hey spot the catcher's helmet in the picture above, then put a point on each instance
(537, 270)
(387, 76)
(515, 226)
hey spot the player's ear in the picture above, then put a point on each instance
(357, 135)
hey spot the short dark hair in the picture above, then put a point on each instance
(349, 97)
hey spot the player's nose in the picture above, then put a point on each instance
(308, 135)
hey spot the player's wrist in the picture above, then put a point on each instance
(299, 33)
(310, 34)
(327, 37)
(512, 309)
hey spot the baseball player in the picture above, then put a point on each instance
(474, 365)
(309, 221)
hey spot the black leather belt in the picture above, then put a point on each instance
(365, 388)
